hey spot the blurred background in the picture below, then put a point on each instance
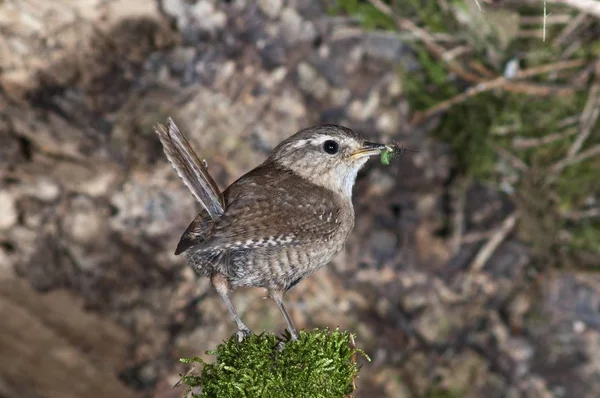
(472, 269)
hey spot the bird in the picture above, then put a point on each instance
(276, 224)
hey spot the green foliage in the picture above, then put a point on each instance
(369, 16)
(320, 364)
(576, 183)
(429, 87)
(482, 127)
(586, 236)
(443, 393)
(429, 12)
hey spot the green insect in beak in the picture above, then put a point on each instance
(386, 156)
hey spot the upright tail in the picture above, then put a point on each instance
(191, 169)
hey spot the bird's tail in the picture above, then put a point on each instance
(191, 169)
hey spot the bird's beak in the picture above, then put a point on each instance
(368, 149)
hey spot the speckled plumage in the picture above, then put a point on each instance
(278, 223)
(277, 229)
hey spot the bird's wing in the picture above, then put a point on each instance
(263, 211)
(198, 231)
(191, 169)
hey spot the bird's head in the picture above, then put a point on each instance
(327, 155)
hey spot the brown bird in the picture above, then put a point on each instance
(278, 223)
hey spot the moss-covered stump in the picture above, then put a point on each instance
(321, 363)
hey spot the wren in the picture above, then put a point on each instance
(278, 223)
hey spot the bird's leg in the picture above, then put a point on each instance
(277, 297)
(222, 286)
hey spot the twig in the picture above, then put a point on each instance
(583, 214)
(559, 19)
(524, 143)
(530, 34)
(512, 159)
(507, 129)
(544, 25)
(536, 89)
(406, 24)
(444, 38)
(555, 67)
(479, 6)
(481, 68)
(189, 372)
(352, 345)
(493, 84)
(459, 196)
(581, 77)
(428, 40)
(474, 237)
(588, 125)
(559, 166)
(499, 236)
(588, 6)
(570, 49)
(568, 121)
(456, 52)
(569, 29)
(588, 119)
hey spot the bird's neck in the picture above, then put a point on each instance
(347, 184)
(340, 182)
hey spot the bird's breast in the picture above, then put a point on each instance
(282, 267)
(322, 247)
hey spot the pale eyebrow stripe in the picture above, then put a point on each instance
(298, 144)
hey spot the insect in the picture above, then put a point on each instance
(392, 150)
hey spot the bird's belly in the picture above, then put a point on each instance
(280, 268)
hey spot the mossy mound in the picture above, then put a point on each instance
(321, 364)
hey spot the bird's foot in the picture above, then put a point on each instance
(242, 333)
(287, 338)
(291, 335)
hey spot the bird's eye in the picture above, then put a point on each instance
(331, 147)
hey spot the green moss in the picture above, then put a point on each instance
(320, 364)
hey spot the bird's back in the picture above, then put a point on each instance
(277, 228)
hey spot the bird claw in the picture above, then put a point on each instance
(291, 336)
(242, 334)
